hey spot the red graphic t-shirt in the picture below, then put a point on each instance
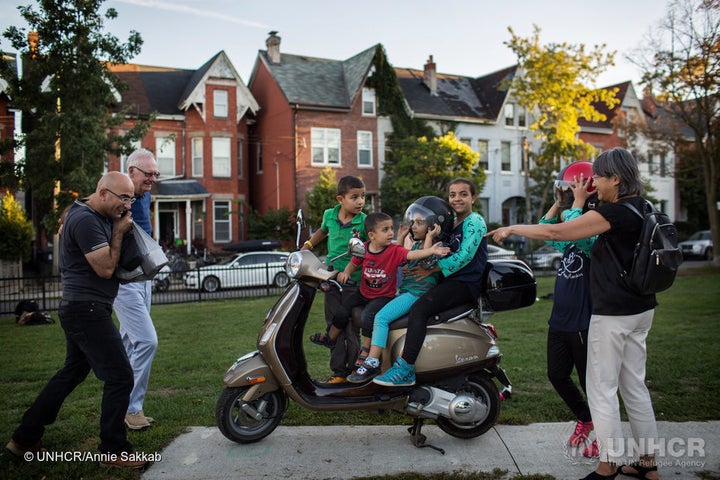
(379, 270)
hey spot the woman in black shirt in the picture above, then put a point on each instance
(621, 318)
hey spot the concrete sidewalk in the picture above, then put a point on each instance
(344, 452)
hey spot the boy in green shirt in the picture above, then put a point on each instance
(339, 224)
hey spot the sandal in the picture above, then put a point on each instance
(640, 471)
(361, 357)
(322, 339)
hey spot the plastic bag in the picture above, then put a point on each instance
(152, 258)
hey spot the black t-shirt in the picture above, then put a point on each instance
(84, 231)
(610, 295)
(571, 300)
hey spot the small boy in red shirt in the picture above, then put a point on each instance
(378, 284)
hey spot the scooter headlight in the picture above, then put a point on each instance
(293, 264)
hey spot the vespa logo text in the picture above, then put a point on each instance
(469, 358)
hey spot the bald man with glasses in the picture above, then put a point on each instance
(90, 247)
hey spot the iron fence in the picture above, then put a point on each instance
(46, 290)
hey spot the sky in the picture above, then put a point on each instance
(465, 37)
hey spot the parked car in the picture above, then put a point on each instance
(544, 257)
(251, 269)
(497, 252)
(699, 245)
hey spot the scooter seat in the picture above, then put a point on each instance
(402, 322)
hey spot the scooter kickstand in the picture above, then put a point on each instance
(418, 439)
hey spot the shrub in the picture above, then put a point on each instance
(17, 232)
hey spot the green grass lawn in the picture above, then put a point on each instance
(199, 341)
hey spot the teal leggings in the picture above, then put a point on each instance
(397, 307)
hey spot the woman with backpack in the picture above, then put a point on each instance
(621, 318)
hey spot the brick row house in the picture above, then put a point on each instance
(315, 113)
(200, 139)
(223, 147)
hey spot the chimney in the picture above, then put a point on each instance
(430, 76)
(273, 47)
(34, 44)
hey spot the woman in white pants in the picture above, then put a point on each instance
(621, 318)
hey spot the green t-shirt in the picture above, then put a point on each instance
(339, 236)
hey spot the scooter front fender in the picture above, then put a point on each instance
(251, 370)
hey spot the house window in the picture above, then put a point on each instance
(221, 221)
(165, 155)
(197, 156)
(505, 156)
(240, 170)
(510, 115)
(466, 141)
(663, 166)
(368, 102)
(220, 157)
(364, 145)
(325, 146)
(483, 161)
(521, 117)
(220, 103)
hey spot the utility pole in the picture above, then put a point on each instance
(526, 167)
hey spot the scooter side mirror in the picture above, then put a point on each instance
(356, 247)
(300, 222)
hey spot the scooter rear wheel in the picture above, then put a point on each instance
(485, 392)
(239, 426)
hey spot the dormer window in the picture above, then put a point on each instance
(522, 117)
(509, 114)
(368, 102)
(220, 103)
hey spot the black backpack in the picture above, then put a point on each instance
(656, 258)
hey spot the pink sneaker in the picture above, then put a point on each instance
(592, 451)
(580, 436)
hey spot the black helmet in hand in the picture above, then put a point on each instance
(432, 210)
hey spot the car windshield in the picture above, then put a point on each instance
(700, 236)
(229, 261)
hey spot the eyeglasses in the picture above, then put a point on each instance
(148, 174)
(123, 198)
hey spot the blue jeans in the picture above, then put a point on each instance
(393, 310)
(92, 342)
(132, 308)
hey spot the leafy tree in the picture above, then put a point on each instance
(66, 92)
(16, 230)
(681, 67)
(552, 84)
(321, 197)
(422, 166)
(275, 224)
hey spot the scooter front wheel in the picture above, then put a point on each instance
(249, 422)
(487, 402)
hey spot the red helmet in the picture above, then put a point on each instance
(563, 193)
